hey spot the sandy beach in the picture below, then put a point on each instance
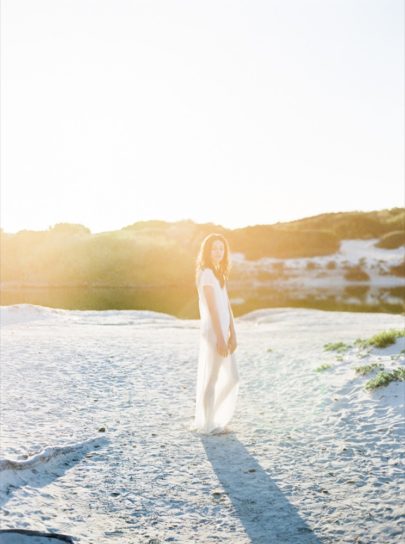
(96, 440)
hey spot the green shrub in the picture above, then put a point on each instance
(383, 378)
(331, 265)
(325, 366)
(282, 242)
(337, 346)
(398, 270)
(366, 369)
(356, 273)
(356, 224)
(392, 240)
(382, 339)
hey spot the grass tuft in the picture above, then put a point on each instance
(337, 346)
(383, 378)
(366, 369)
(325, 366)
(381, 339)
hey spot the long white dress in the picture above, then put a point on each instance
(217, 377)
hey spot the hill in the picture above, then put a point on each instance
(159, 252)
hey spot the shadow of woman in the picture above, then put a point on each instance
(263, 509)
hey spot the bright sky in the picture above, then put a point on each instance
(232, 112)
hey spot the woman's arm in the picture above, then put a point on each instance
(231, 321)
(209, 295)
(232, 343)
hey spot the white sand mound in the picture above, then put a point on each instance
(311, 456)
(45, 455)
(15, 473)
(23, 313)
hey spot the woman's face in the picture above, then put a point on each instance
(217, 252)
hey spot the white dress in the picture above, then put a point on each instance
(217, 377)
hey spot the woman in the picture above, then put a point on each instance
(217, 376)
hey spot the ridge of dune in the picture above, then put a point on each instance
(24, 313)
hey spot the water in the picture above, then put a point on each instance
(182, 302)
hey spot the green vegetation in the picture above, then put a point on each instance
(381, 339)
(70, 255)
(350, 225)
(337, 346)
(276, 241)
(397, 269)
(157, 252)
(384, 377)
(325, 366)
(356, 273)
(366, 369)
(392, 240)
(361, 343)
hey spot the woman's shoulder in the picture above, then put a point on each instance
(207, 271)
(206, 275)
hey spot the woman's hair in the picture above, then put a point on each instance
(204, 258)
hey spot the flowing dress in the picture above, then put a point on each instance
(217, 377)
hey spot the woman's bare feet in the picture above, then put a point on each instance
(220, 430)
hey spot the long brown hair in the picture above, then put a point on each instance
(204, 258)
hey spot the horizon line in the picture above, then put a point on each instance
(189, 220)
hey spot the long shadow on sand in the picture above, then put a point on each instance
(265, 512)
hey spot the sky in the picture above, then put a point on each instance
(231, 112)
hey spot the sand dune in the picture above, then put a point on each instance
(312, 455)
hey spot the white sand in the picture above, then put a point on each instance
(313, 457)
(373, 260)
